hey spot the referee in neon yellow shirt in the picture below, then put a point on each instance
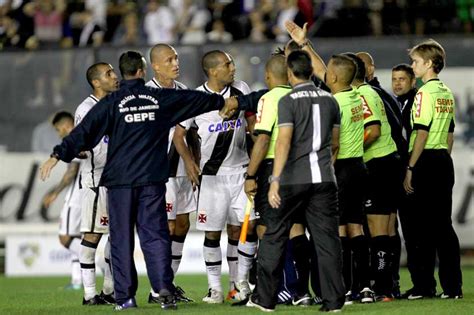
(430, 175)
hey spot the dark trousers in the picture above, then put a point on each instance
(319, 204)
(433, 181)
(143, 207)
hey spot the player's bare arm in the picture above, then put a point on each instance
(298, 34)
(192, 169)
(231, 105)
(68, 178)
(47, 167)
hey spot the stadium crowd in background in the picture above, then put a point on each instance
(62, 24)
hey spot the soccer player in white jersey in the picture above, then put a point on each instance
(70, 218)
(95, 220)
(222, 199)
(180, 199)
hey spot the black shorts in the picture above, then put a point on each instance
(351, 175)
(384, 185)
(261, 197)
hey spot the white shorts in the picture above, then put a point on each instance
(70, 220)
(222, 200)
(95, 217)
(180, 198)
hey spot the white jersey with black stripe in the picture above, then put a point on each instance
(93, 166)
(223, 142)
(178, 168)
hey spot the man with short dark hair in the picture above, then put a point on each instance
(404, 88)
(70, 217)
(303, 181)
(137, 120)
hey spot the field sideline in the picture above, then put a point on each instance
(46, 296)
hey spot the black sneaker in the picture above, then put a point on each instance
(167, 300)
(416, 294)
(317, 300)
(367, 296)
(96, 300)
(305, 300)
(153, 299)
(450, 296)
(130, 303)
(324, 308)
(241, 302)
(107, 298)
(180, 297)
(349, 300)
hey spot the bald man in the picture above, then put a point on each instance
(394, 116)
(180, 200)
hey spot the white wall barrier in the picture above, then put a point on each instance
(42, 255)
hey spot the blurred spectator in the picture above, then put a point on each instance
(159, 23)
(355, 15)
(261, 21)
(116, 9)
(286, 10)
(191, 26)
(218, 33)
(128, 32)
(48, 21)
(8, 32)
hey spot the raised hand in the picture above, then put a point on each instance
(297, 33)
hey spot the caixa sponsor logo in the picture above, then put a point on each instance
(225, 125)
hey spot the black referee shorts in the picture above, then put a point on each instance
(384, 184)
(351, 175)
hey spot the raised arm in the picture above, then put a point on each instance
(298, 34)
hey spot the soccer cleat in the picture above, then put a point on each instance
(243, 289)
(73, 287)
(214, 297)
(107, 298)
(415, 294)
(329, 310)
(367, 296)
(384, 298)
(251, 303)
(241, 302)
(153, 299)
(305, 300)
(96, 300)
(167, 300)
(349, 300)
(180, 297)
(233, 295)
(450, 296)
(130, 303)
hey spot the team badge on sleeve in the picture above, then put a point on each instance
(169, 207)
(367, 111)
(418, 101)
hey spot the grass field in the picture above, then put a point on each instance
(47, 296)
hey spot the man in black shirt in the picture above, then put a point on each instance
(308, 119)
(137, 120)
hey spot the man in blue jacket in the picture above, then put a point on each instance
(137, 120)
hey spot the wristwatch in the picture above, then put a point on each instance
(54, 155)
(304, 44)
(249, 177)
(272, 179)
(410, 168)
